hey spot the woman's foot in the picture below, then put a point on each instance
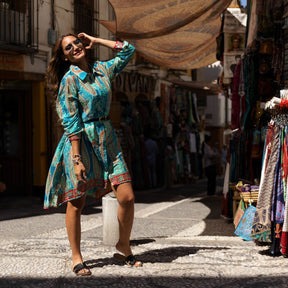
(127, 257)
(81, 269)
(129, 260)
(125, 250)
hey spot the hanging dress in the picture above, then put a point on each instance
(83, 105)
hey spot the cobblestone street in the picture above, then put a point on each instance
(178, 234)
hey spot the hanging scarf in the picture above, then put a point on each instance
(261, 228)
(277, 207)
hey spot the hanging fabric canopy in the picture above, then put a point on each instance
(175, 34)
(184, 48)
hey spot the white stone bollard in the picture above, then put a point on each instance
(110, 219)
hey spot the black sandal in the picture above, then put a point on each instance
(129, 260)
(81, 269)
(132, 262)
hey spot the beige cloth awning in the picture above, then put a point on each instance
(170, 33)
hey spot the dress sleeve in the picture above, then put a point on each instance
(67, 106)
(117, 64)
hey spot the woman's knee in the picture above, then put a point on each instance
(77, 205)
(125, 194)
(126, 198)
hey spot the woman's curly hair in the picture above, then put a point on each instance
(57, 66)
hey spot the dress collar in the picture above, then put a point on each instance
(82, 74)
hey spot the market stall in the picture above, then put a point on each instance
(259, 78)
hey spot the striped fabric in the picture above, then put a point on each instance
(261, 228)
(83, 97)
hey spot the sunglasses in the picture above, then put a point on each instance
(76, 42)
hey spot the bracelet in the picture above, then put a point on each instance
(74, 137)
(76, 159)
(118, 45)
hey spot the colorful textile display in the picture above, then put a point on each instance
(271, 207)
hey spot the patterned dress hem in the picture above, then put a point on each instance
(100, 191)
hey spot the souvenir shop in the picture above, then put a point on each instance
(150, 107)
(184, 129)
(258, 138)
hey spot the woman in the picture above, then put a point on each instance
(88, 159)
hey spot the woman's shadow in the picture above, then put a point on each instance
(165, 255)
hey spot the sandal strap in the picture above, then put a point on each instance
(130, 260)
(79, 267)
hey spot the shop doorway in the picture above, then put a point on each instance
(16, 141)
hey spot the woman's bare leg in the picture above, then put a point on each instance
(73, 226)
(125, 196)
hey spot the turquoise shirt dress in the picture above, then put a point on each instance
(82, 99)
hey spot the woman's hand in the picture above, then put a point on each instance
(87, 40)
(79, 168)
(80, 172)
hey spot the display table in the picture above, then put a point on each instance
(247, 197)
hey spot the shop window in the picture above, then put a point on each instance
(84, 16)
(19, 25)
(17, 5)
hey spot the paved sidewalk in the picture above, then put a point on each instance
(178, 234)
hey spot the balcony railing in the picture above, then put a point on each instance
(19, 25)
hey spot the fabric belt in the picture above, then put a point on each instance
(104, 118)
